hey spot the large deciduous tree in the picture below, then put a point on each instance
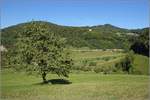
(38, 50)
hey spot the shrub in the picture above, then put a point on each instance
(104, 69)
(84, 62)
(82, 65)
(126, 64)
(107, 69)
(106, 58)
(98, 69)
(92, 63)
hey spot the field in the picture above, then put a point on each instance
(107, 59)
(87, 86)
(80, 85)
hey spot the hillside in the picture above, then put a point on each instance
(100, 37)
(140, 45)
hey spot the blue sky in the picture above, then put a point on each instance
(122, 13)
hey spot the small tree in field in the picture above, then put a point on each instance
(38, 50)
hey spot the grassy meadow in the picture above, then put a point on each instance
(81, 85)
(84, 86)
(108, 59)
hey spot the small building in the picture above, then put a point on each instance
(90, 30)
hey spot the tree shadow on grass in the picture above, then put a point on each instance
(55, 81)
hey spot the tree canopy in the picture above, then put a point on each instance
(141, 44)
(38, 50)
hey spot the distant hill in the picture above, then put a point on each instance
(139, 31)
(95, 37)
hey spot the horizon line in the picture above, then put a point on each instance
(3, 27)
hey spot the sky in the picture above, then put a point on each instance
(122, 13)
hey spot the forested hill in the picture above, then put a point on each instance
(96, 37)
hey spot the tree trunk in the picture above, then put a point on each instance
(44, 77)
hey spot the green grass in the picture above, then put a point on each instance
(109, 58)
(141, 64)
(78, 55)
(102, 58)
(87, 86)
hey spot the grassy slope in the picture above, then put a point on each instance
(92, 54)
(141, 64)
(97, 56)
(91, 86)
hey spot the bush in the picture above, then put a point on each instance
(126, 64)
(106, 58)
(92, 63)
(86, 68)
(98, 69)
(108, 69)
(104, 69)
(82, 65)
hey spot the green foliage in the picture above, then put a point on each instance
(92, 63)
(141, 65)
(103, 36)
(141, 43)
(38, 50)
(110, 60)
(3, 60)
(104, 61)
(105, 69)
(126, 64)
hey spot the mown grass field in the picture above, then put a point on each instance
(84, 85)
